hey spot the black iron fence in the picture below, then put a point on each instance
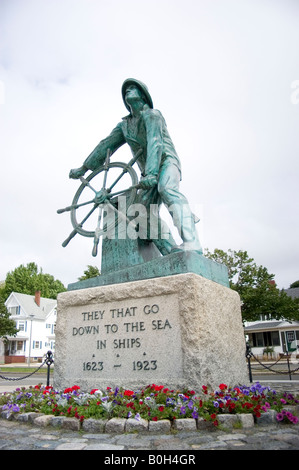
(283, 359)
(48, 361)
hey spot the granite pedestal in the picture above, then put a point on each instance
(178, 331)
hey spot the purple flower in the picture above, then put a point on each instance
(194, 414)
(279, 416)
(216, 404)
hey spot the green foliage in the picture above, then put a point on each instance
(294, 284)
(28, 279)
(91, 271)
(7, 326)
(256, 287)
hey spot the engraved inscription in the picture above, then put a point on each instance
(126, 338)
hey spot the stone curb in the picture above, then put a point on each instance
(131, 425)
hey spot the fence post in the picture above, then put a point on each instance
(49, 361)
(289, 369)
(248, 356)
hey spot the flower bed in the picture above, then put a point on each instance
(153, 403)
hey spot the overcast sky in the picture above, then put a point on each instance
(225, 75)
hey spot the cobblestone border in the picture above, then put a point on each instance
(123, 425)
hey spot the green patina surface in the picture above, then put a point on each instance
(175, 263)
(149, 255)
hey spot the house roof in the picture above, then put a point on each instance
(271, 325)
(294, 292)
(29, 306)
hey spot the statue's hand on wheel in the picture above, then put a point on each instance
(148, 182)
(77, 172)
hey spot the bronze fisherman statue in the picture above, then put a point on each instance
(145, 131)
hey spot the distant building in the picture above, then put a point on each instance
(35, 318)
(281, 335)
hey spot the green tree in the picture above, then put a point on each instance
(294, 284)
(256, 287)
(91, 271)
(7, 325)
(28, 279)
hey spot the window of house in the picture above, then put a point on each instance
(290, 336)
(265, 338)
(275, 338)
(51, 326)
(22, 326)
(15, 310)
(257, 340)
(37, 344)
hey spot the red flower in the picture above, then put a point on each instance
(72, 389)
(222, 386)
(205, 389)
(128, 393)
(247, 405)
(213, 416)
(155, 418)
(215, 422)
(161, 408)
(93, 391)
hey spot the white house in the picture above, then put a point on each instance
(281, 335)
(35, 318)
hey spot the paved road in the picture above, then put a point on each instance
(12, 384)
